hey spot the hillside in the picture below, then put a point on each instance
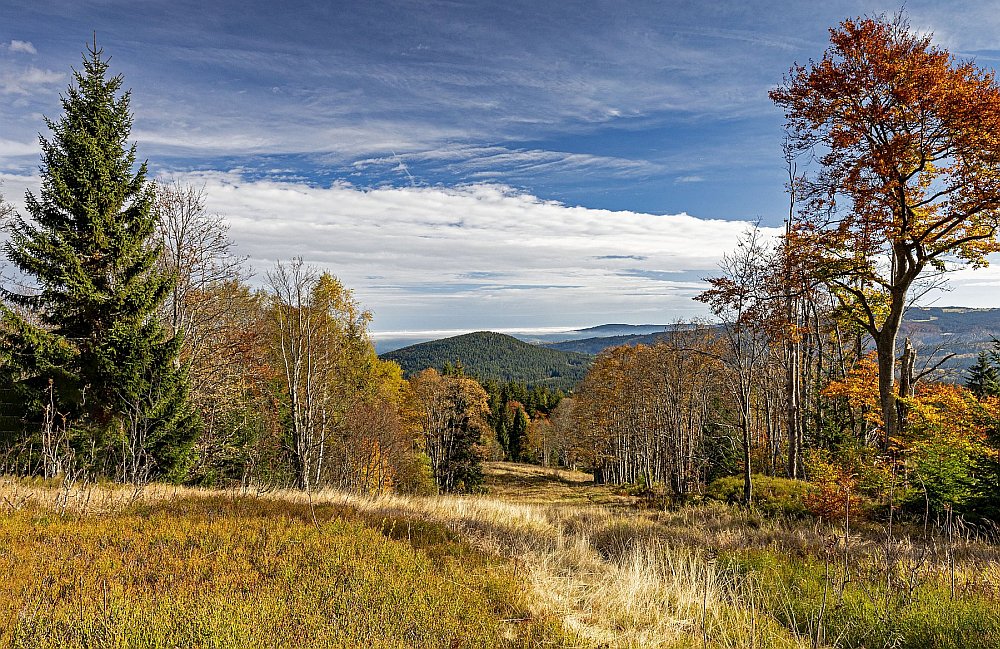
(489, 355)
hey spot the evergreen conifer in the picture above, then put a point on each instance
(984, 377)
(89, 324)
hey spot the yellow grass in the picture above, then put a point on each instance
(544, 559)
(599, 571)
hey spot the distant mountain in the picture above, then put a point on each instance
(939, 331)
(602, 331)
(490, 355)
(934, 331)
(389, 341)
(598, 344)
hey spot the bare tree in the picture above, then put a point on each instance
(292, 285)
(197, 250)
(6, 209)
(741, 299)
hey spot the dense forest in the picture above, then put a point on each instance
(493, 356)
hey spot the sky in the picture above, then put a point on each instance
(465, 165)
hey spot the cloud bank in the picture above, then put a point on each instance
(479, 255)
(486, 256)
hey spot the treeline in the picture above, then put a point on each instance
(806, 375)
(519, 416)
(133, 348)
(671, 415)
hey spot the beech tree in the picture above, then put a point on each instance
(908, 179)
(198, 252)
(641, 413)
(742, 300)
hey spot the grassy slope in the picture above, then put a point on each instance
(207, 569)
(547, 559)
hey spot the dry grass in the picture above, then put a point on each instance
(604, 573)
(616, 576)
(104, 566)
(529, 484)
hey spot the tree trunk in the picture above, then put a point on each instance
(747, 468)
(793, 422)
(905, 381)
(885, 346)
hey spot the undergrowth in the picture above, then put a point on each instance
(217, 571)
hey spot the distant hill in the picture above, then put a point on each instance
(596, 345)
(938, 331)
(600, 331)
(935, 332)
(490, 355)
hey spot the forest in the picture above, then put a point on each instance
(796, 445)
(134, 347)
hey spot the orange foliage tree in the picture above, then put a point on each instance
(946, 439)
(908, 144)
(860, 389)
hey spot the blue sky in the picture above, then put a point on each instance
(464, 164)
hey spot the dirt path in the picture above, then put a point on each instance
(531, 484)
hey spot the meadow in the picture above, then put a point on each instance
(545, 558)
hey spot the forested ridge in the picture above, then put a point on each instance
(494, 356)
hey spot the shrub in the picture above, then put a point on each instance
(772, 496)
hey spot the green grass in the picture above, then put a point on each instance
(909, 609)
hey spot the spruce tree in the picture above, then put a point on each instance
(983, 378)
(89, 325)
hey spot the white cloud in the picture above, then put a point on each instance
(13, 186)
(22, 46)
(28, 80)
(970, 287)
(14, 149)
(486, 256)
(478, 255)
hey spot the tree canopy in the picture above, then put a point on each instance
(907, 140)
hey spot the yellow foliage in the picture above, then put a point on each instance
(860, 388)
(949, 416)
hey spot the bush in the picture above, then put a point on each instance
(772, 496)
(415, 476)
